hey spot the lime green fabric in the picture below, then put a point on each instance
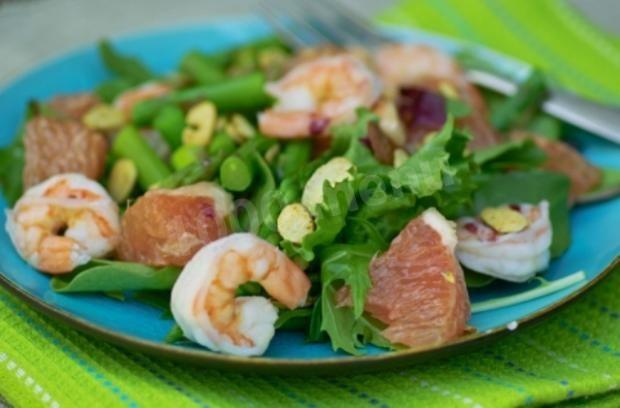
(575, 353)
(547, 33)
(571, 360)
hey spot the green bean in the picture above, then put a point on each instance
(221, 143)
(294, 156)
(236, 94)
(236, 174)
(170, 122)
(129, 68)
(530, 94)
(203, 170)
(186, 155)
(201, 68)
(130, 144)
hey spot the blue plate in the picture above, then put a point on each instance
(140, 327)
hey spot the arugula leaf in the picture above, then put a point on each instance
(530, 187)
(346, 141)
(348, 264)
(101, 275)
(422, 173)
(128, 68)
(329, 221)
(345, 331)
(316, 321)
(513, 155)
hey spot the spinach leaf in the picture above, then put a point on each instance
(529, 95)
(512, 155)
(293, 319)
(608, 188)
(530, 187)
(110, 89)
(175, 335)
(11, 168)
(101, 275)
(477, 280)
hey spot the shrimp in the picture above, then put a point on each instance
(203, 298)
(318, 93)
(128, 99)
(515, 256)
(402, 65)
(63, 222)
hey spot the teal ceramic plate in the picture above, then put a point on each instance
(140, 327)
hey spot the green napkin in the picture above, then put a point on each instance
(574, 354)
(549, 34)
(571, 359)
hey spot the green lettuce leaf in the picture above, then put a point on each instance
(422, 174)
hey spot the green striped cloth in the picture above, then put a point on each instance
(547, 33)
(570, 359)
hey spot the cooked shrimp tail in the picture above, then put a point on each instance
(63, 222)
(203, 299)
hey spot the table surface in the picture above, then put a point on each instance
(34, 30)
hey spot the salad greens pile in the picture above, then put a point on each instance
(358, 217)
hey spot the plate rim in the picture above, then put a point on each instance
(297, 366)
(261, 364)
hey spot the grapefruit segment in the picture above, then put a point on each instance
(167, 227)
(418, 288)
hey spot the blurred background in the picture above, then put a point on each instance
(33, 30)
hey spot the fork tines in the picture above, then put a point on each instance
(313, 22)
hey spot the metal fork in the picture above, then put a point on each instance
(312, 22)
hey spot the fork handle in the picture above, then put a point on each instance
(594, 117)
(602, 120)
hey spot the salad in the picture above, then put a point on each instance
(354, 196)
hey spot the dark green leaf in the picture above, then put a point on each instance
(293, 319)
(608, 188)
(529, 95)
(110, 89)
(512, 155)
(106, 276)
(175, 335)
(477, 280)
